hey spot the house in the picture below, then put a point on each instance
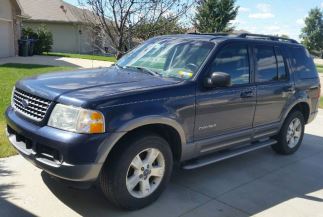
(10, 18)
(66, 22)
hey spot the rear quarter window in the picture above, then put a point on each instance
(303, 65)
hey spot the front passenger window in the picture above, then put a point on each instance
(234, 60)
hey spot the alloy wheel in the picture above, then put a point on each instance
(145, 173)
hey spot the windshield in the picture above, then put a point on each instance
(168, 57)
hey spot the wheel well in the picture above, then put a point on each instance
(304, 108)
(169, 133)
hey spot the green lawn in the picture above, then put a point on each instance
(319, 68)
(82, 56)
(9, 74)
(321, 102)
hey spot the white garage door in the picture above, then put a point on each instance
(6, 39)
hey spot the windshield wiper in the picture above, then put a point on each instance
(143, 69)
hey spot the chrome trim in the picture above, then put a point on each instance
(37, 106)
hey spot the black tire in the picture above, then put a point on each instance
(282, 147)
(115, 171)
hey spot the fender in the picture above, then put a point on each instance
(291, 106)
(114, 137)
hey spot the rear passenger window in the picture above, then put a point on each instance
(303, 64)
(234, 60)
(282, 75)
(266, 63)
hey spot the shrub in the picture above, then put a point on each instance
(42, 36)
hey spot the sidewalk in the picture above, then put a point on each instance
(56, 61)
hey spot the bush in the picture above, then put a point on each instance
(43, 38)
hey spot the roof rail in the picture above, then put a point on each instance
(214, 34)
(268, 37)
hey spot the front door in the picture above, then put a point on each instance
(231, 109)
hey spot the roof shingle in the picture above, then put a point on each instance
(52, 11)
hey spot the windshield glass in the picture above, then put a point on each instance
(168, 57)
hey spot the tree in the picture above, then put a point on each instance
(312, 32)
(215, 15)
(164, 26)
(119, 18)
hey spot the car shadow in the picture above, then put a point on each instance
(251, 183)
(7, 208)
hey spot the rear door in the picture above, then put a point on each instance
(274, 87)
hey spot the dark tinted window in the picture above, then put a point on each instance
(266, 63)
(282, 75)
(234, 60)
(303, 63)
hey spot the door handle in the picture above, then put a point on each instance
(246, 94)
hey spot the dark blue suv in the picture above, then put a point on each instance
(194, 99)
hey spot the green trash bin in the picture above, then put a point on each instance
(23, 47)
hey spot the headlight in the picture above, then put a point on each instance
(76, 119)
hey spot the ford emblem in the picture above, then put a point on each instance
(25, 103)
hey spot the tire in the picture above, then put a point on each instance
(119, 173)
(284, 145)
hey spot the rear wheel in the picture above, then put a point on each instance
(291, 134)
(136, 175)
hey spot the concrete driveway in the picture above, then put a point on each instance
(56, 61)
(318, 61)
(259, 183)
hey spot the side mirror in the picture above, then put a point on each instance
(217, 79)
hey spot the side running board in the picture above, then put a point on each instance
(219, 156)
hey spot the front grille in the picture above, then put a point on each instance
(32, 106)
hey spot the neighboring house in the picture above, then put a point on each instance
(66, 22)
(10, 17)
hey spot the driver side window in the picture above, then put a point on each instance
(233, 60)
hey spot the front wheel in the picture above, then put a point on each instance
(137, 174)
(291, 134)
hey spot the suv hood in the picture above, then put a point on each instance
(84, 85)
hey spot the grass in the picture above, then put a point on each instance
(9, 74)
(319, 68)
(321, 103)
(82, 56)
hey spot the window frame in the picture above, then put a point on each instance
(219, 48)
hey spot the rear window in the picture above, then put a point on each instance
(266, 63)
(303, 64)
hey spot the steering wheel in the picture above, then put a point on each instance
(192, 67)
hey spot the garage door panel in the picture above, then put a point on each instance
(6, 39)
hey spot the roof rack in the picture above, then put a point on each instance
(267, 37)
(250, 35)
(214, 34)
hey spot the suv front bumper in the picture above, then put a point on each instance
(63, 154)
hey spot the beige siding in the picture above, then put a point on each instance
(6, 29)
(67, 37)
(5, 10)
